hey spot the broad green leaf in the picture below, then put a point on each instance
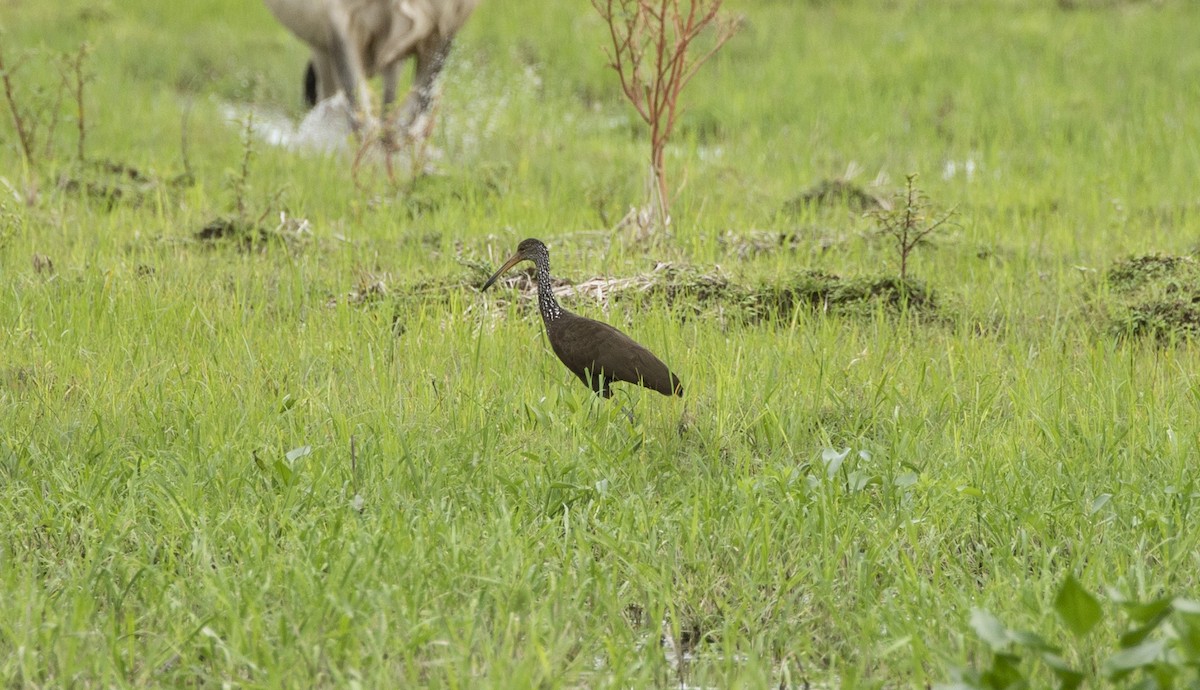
(1187, 626)
(989, 629)
(1068, 678)
(1099, 502)
(1126, 660)
(962, 678)
(1005, 673)
(1030, 640)
(1077, 607)
(284, 472)
(1144, 612)
(859, 480)
(1133, 638)
(1163, 676)
(833, 459)
(1190, 606)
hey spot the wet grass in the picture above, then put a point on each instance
(320, 457)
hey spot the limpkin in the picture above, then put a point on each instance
(595, 352)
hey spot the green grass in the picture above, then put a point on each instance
(218, 468)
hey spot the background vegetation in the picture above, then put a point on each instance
(317, 456)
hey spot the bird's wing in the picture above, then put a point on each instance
(597, 345)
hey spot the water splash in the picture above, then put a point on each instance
(325, 129)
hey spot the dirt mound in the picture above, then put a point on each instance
(1154, 295)
(1151, 270)
(834, 192)
(821, 291)
(691, 290)
(252, 235)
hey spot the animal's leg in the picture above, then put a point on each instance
(310, 85)
(429, 67)
(390, 74)
(431, 58)
(350, 77)
(327, 81)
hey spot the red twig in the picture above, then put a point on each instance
(661, 32)
(23, 136)
(77, 68)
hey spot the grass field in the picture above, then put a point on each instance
(324, 459)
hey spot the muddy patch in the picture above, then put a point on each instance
(113, 182)
(255, 235)
(230, 229)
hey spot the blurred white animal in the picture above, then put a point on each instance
(353, 40)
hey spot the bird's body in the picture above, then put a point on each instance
(599, 354)
(595, 352)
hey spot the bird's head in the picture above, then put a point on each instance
(529, 250)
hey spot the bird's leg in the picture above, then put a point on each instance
(685, 421)
(414, 119)
(628, 415)
(625, 410)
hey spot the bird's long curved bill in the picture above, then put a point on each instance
(516, 258)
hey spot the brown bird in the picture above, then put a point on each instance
(595, 352)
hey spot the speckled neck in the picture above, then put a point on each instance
(546, 302)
